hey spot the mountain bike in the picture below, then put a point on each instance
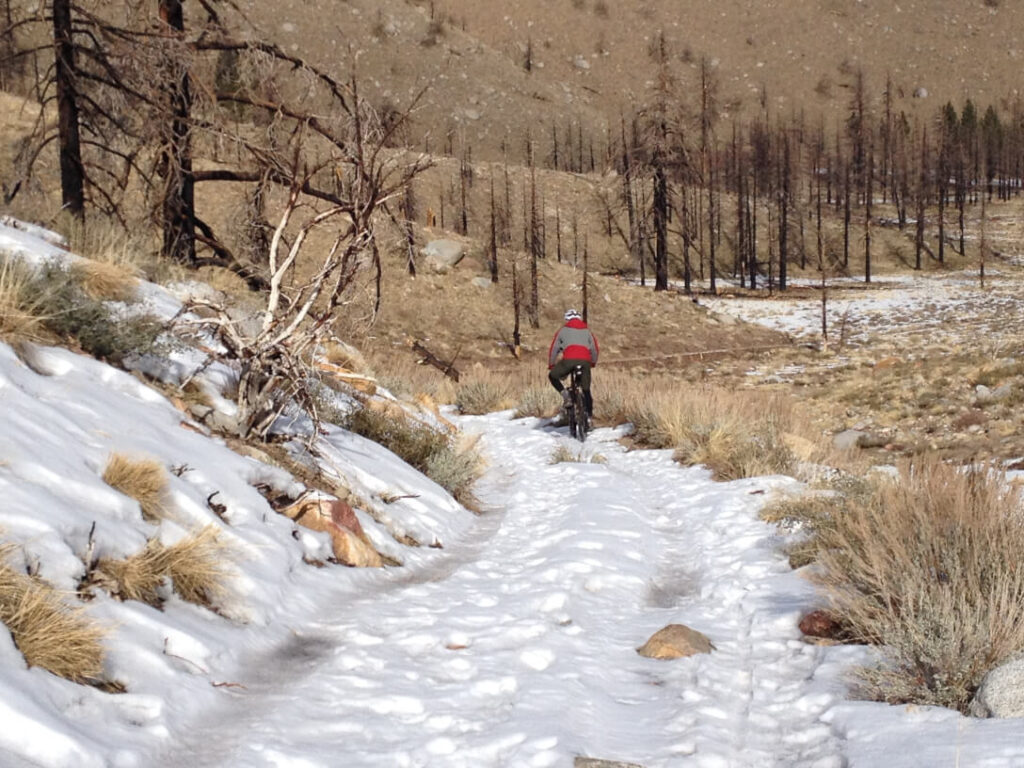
(576, 410)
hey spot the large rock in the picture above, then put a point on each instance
(985, 396)
(1001, 693)
(847, 439)
(675, 642)
(339, 521)
(442, 255)
(822, 625)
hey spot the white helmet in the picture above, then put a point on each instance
(572, 314)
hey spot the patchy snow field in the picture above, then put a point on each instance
(512, 643)
(932, 308)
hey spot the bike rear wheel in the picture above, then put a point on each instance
(578, 420)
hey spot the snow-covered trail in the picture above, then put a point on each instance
(516, 646)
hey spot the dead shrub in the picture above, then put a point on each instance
(927, 565)
(144, 480)
(50, 632)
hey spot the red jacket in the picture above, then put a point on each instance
(574, 341)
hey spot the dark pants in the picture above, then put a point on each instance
(563, 368)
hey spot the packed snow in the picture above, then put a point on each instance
(507, 639)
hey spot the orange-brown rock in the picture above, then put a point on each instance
(336, 518)
(674, 642)
(822, 624)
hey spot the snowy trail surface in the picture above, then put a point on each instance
(516, 646)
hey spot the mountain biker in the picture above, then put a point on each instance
(577, 346)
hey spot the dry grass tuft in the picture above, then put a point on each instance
(22, 307)
(928, 566)
(144, 480)
(106, 241)
(137, 577)
(195, 565)
(198, 568)
(50, 632)
(102, 280)
(734, 434)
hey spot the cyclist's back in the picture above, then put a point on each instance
(577, 346)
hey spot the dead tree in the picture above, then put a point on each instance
(301, 306)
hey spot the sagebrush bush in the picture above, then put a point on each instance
(428, 450)
(539, 402)
(484, 394)
(70, 312)
(50, 632)
(456, 470)
(927, 566)
(144, 480)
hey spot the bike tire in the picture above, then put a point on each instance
(580, 415)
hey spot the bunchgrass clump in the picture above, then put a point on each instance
(144, 480)
(927, 566)
(50, 632)
(735, 435)
(137, 577)
(456, 469)
(23, 307)
(195, 567)
(198, 568)
(104, 281)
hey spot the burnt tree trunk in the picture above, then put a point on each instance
(72, 173)
(179, 185)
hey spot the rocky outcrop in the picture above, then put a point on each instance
(337, 519)
(675, 641)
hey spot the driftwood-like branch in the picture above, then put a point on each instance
(426, 356)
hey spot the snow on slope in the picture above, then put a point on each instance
(511, 646)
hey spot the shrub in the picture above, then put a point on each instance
(928, 566)
(413, 442)
(141, 479)
(69, 311)
(422, 447)
(539, 402)
(50, 632)
(456, 471)
(484, 394)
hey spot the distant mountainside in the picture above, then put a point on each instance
(589, 60)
